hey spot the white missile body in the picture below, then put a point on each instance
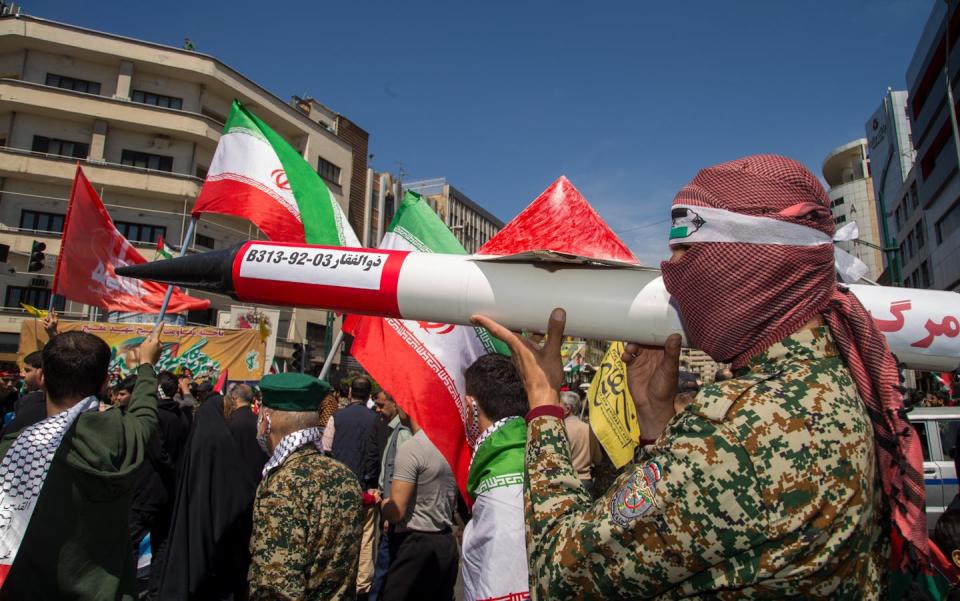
(602, 301)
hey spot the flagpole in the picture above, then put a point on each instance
(183, 250)
(328, 362)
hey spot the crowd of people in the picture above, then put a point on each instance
(794, 474)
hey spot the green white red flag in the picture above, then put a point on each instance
(257, 175)
(421, 364)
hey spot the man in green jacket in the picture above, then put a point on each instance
(67, 481)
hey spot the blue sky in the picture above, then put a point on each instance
(628, 99)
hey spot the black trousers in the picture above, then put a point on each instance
(423, 566)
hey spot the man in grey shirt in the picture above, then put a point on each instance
(423, 496)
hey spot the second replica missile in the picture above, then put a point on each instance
(605, 302)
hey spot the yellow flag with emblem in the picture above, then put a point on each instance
(613, 416)
(38, 313)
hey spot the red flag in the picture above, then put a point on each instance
(548, 224)
(91, 249)
(221, 382)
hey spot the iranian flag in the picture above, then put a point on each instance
(257, 175)
(419, 363)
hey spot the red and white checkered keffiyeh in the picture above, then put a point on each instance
(737, 299)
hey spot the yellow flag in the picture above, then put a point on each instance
(613, 416)
(264, 330)
(38, 313)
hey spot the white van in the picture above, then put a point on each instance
(938, 428)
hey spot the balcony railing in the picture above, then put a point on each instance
(99, 163)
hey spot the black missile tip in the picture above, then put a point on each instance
(211, 271)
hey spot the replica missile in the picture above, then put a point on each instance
(604, 300)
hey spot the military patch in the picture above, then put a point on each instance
(636, 498)
(685, 222)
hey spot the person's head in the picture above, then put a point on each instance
(407, 420)
(766, 211)
(290, 403)
(682, 399)
(385, 406)
(166, 384)
(687, 382)
(75, 367)
(360, 389)
(343, 389)
(946, 535)
(32, 366)
(125, 391)
(238, 395)
(494, 390)
(723, 375)
(571, 402)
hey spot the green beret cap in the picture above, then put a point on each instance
(293, 391)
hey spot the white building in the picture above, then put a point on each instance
(143, 120)
(847, 172)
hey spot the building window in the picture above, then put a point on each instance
(837, 202)
(64, 148)
(919, 233)
(41, 222)
(328, 171)
(925, 275)
(910, 245)
(168, 102)
(140, 232)
(204, 241)
(37, 297)
(914, 200)
(146, 160)
(837, 220)
(896, 214)
(72, 83)
(948, 223)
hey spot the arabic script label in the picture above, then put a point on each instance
(323, 266)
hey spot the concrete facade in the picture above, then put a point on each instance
(937, 182)
(143, 120)
(847, 172)
(470, 223)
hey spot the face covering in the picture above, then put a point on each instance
(759, 265)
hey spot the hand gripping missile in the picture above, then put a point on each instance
(605, 302)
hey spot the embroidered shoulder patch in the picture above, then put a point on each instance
(637, 496)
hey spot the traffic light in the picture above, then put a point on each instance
(37, 257)
(296, 362)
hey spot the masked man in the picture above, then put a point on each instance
(781, 482)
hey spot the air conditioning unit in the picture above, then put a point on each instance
(161, 142)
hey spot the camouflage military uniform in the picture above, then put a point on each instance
(765, 486)
(306, 530)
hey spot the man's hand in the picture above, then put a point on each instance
(540, 367)
(652, 374)
(183, 385)
(151, 348)
(375, 493)
(50, 323)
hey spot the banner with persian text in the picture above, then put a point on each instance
(201, 350)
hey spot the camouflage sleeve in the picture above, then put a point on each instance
(670, 520)
(278, 545)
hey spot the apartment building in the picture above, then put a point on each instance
(143, 120)
(935, 192)
(470, 223)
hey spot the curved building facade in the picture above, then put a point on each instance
(847, 173)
